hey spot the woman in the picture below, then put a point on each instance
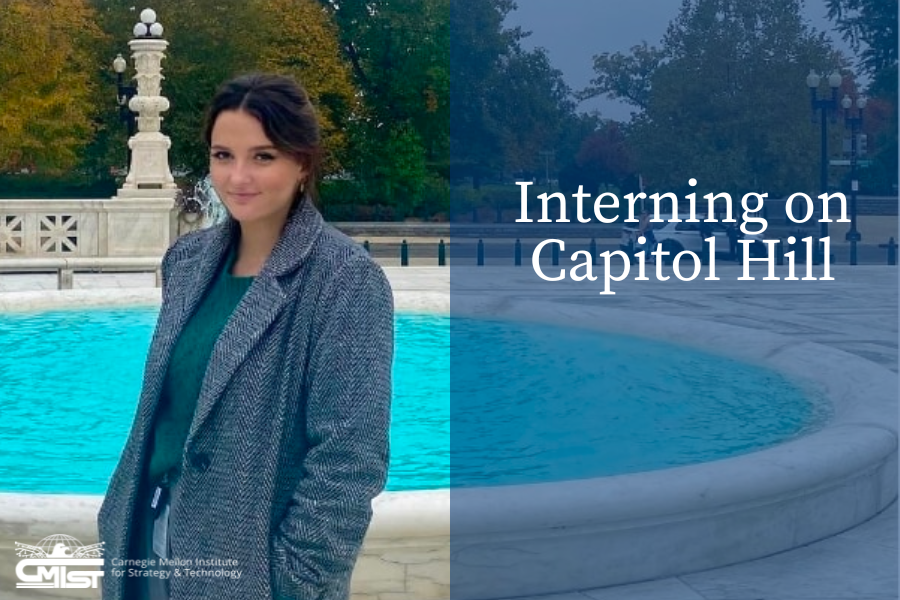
(262, 432)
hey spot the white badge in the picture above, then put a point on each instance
(161, 533)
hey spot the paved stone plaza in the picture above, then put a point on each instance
(856, 313)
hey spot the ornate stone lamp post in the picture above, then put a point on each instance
(140, 220)
(149, 166)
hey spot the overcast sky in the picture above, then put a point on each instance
(573, 31)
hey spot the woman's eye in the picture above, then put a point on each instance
(220, 155)
(265, 157)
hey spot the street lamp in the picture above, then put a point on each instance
(124, 93)
(824, 106)
(146, 28)
(855, 125)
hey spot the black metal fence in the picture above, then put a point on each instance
(473, 252)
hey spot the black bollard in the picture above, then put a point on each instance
(442, 254)
(366, 245)
(518, 253)
(593, 251)
(480, 253)
(891, 251)
(404, 254)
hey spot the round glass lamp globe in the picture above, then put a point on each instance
(119, 64)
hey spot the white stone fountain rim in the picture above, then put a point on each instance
(861, 433)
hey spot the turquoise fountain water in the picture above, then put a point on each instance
(505, 403)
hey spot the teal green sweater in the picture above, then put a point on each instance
(187, 366)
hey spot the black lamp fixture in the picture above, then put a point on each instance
(825, 106)
(854, 123)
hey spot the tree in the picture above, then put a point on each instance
(480, 45)
(605, 154)
(307, 47)
(724, 104)
(509, 105)
(398, 53)
(47, 98)
(625, 76)
(530, 106)
(479, 104)
(870, 26)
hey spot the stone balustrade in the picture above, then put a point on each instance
(112, 227)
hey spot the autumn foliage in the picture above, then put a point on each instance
(57, 93)
(46, 83)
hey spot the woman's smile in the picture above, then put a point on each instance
(244, 196)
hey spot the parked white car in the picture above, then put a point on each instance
(676, 237)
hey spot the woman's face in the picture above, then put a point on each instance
(256, 181)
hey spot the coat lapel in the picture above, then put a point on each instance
(258, 309)
(196, 273)
(189, 279)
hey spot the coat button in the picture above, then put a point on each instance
(200, 461)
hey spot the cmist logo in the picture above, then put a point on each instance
(53, 563)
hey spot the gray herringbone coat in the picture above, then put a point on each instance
(289, 442)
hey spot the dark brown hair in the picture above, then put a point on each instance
(282, 107)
